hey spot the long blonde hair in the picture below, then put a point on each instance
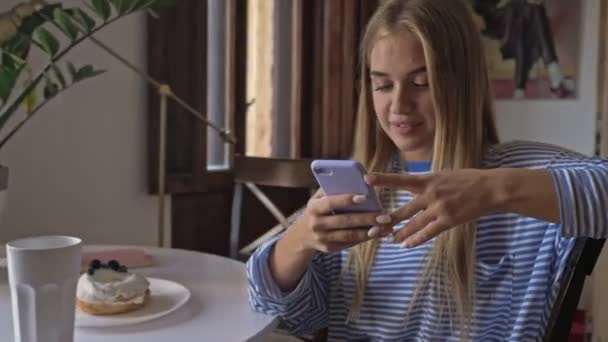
(465, 127)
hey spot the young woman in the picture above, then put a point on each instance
(481, 229)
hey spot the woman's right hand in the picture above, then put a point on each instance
(319, 229)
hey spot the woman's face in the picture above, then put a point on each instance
(401, 94)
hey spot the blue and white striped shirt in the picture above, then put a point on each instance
(519, 264)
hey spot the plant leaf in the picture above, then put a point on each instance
(18, 45)
(9, 75)
(143, 4)
(47, 40)
(31, 23)
(121, 6)
(30, 102)
(101, 8)
(65, 22)
(84, 72)
(8, 79)
(50, 90)
(11, 60)
(86, 22)
(131, 5)
(73, 71)
(87, 71)
(59, 75)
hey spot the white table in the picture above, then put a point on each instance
(217, 311)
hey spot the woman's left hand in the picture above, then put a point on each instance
(441, 201)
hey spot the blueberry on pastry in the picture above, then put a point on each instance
(110, 289)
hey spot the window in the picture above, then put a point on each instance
(279, 73)
(273, 81)
(216, 82)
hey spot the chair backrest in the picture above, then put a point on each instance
(280, 172)
(252, 172)
(580, 264)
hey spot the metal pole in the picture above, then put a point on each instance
(164, 91)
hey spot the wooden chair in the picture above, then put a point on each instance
(580, 264)
(253, 172)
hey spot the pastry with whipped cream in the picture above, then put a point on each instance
(110, 289)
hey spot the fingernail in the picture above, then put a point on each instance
(383, 219)
(405, 244)
(366, 179)
(373, 232)
(359, 198)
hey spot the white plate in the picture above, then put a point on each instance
(165, 297)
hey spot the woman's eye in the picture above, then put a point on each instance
(382, 87)
(420, 81)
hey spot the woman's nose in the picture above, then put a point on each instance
(401, 103)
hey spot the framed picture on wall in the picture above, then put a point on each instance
(532, 46)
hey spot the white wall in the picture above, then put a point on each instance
(571, 124)
(79, 167)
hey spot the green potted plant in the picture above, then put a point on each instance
(55, 30)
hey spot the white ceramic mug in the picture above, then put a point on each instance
(43, 273)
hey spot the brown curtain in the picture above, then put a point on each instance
(177, 45)
(331, 34)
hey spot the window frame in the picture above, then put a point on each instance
(174, 41)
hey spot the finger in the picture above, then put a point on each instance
(318, 194)
(331, 247)
(417, 223)
(430, 231)
(323, 204)
(413, 207)
(379, 231)
(348, 221)
(414, 183)
(346, 236)
(327, 204)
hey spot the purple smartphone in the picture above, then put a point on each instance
(337, 177)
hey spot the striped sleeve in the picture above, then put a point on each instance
(582, 188)
(304, 309)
